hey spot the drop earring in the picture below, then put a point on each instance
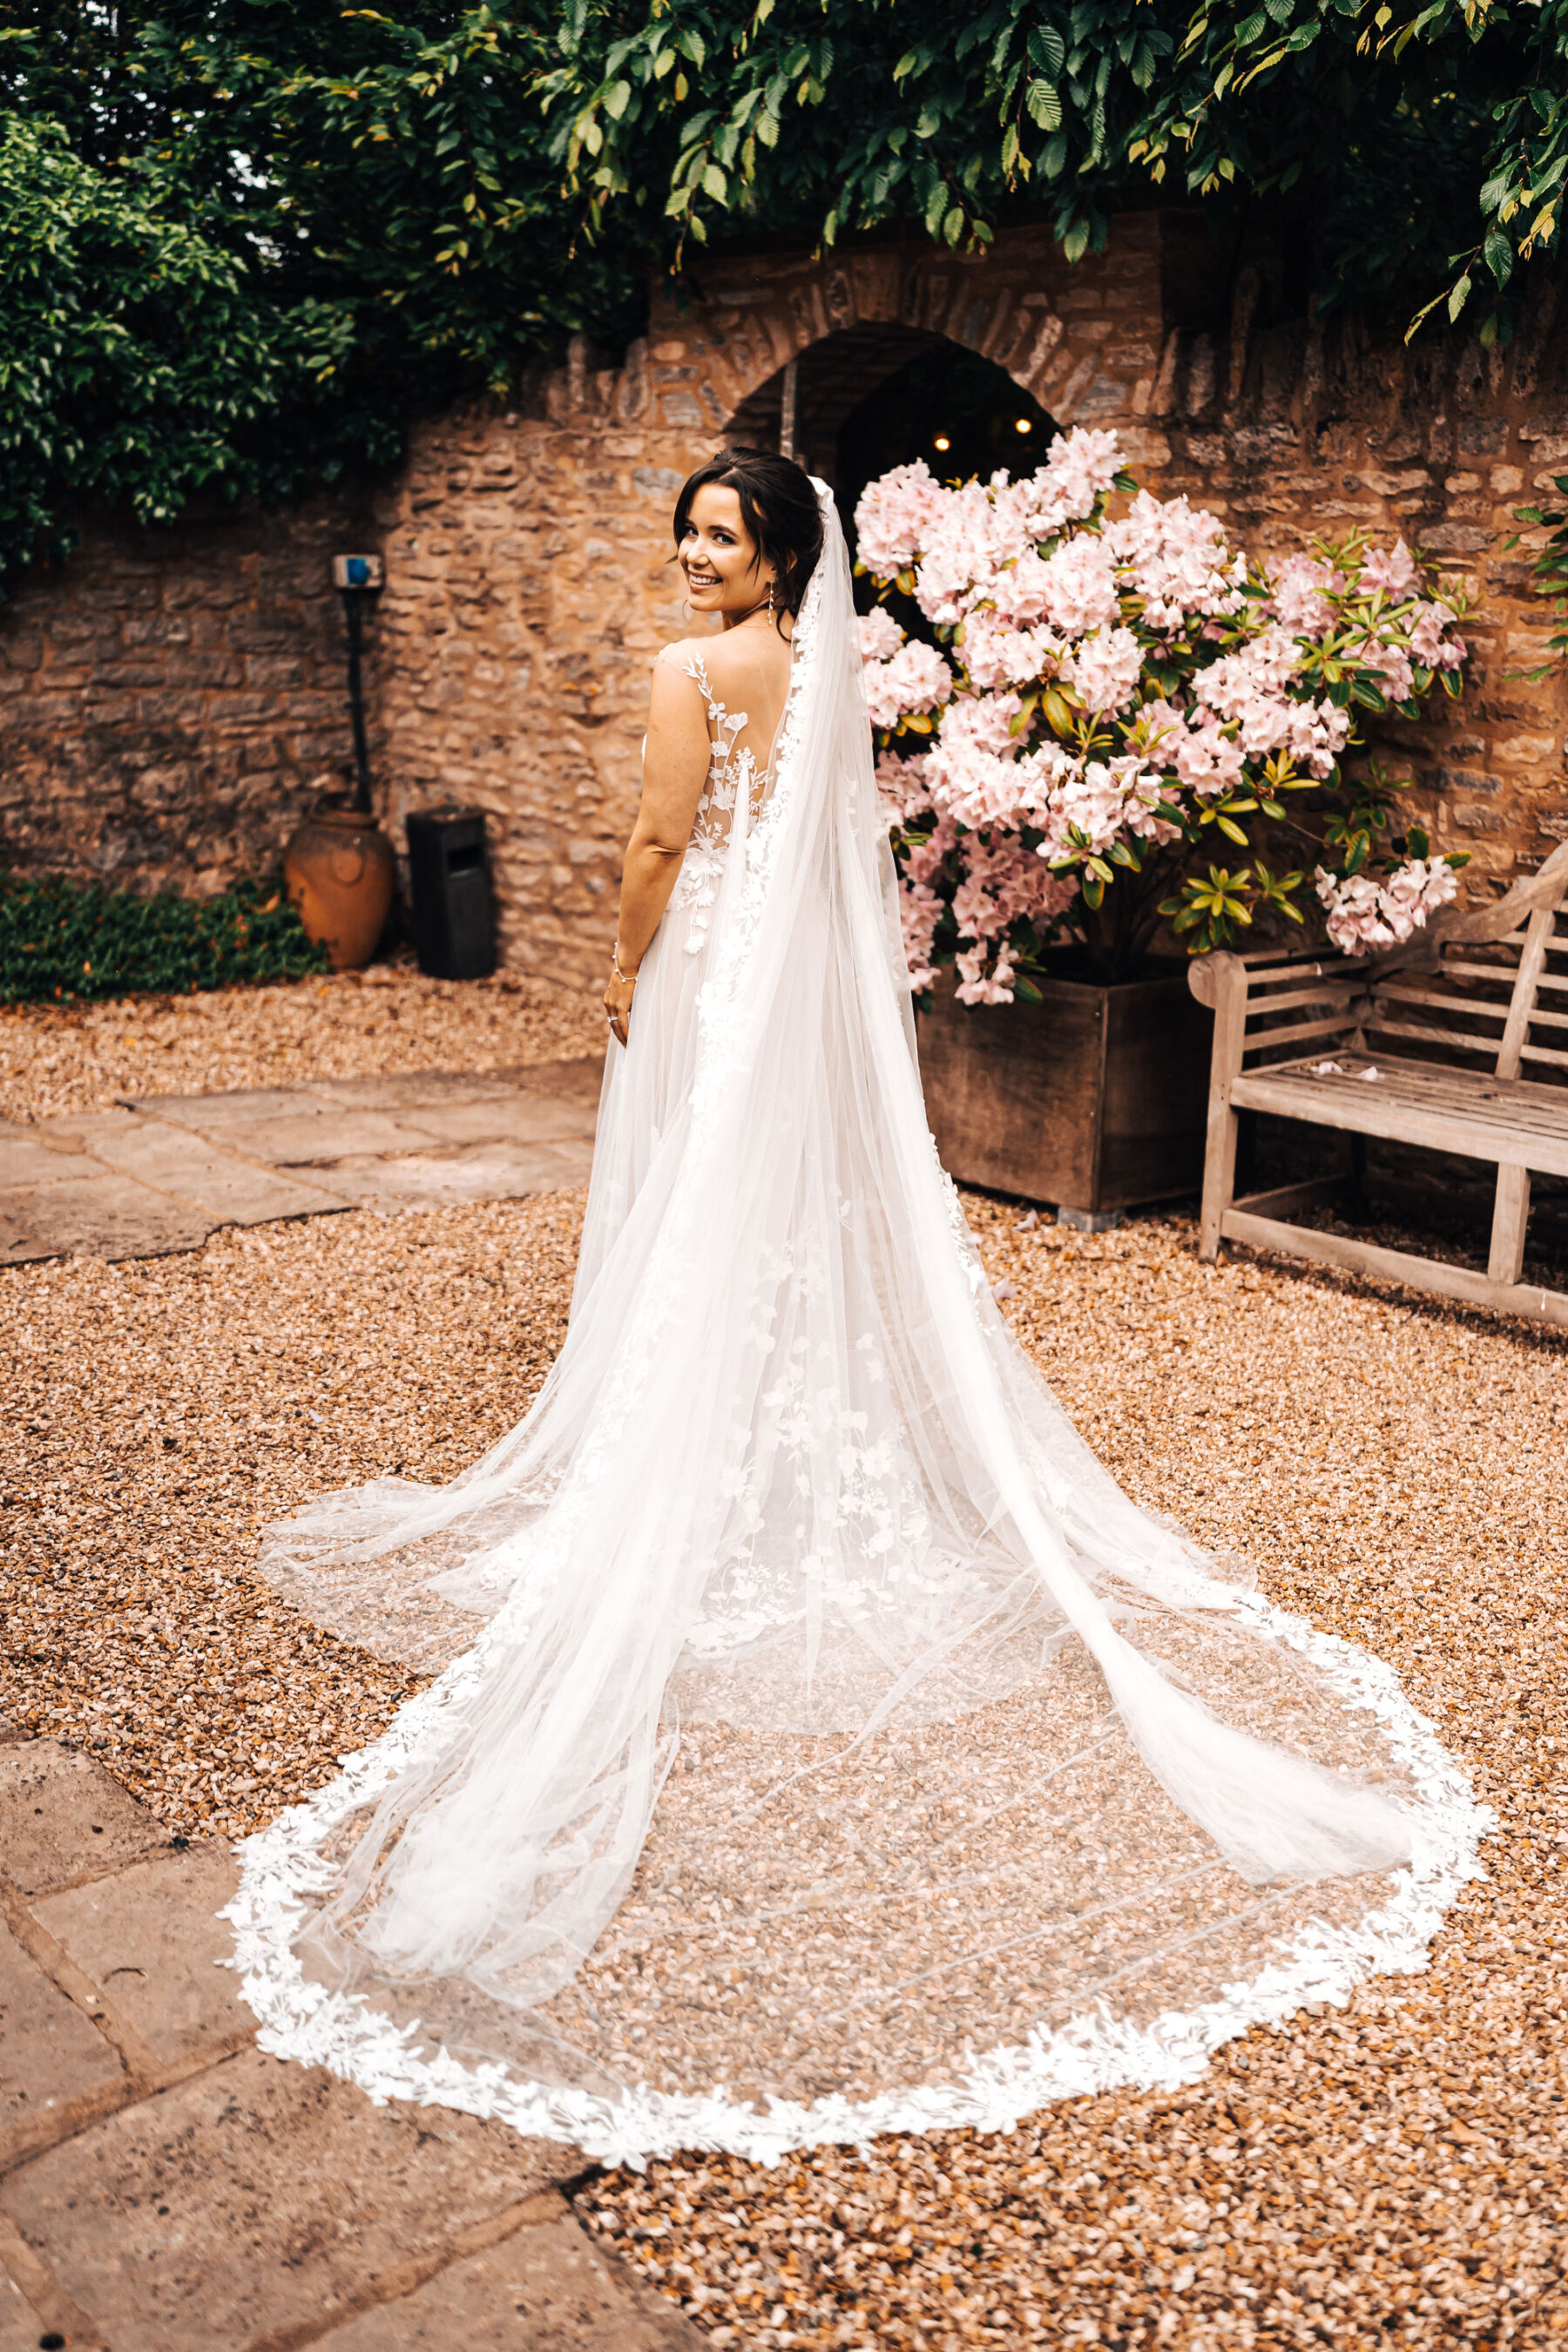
(770, 600)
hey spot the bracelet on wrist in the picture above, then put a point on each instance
(625, 978)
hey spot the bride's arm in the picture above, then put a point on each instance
(675, 769)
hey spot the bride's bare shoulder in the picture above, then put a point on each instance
(739, 657)
(689, 655)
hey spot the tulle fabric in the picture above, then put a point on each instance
(843, 1749)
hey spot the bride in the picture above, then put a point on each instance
(843, 1752)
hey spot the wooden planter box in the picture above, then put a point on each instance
(1094, 1100)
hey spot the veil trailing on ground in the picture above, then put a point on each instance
(843, 1751)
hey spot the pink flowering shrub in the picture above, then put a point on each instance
(1112, 700)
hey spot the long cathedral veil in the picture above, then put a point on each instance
(844, 1750)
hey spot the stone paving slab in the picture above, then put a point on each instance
(488, 1173)
(64, 1821)
(320, 1134)
(171, 1159)
(30, 1157)
(163, 1172)
(522, 1119)
(204, 1112)
(549, 2288)
(258, 2197)
(21, 2327)
(149, 1939)
(106, 1216)
(69, 1131)
(17, 1247)
(413, 1089)
(51, 2055)
(165, 2186)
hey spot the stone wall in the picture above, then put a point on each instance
(171, 698)
(171, 701)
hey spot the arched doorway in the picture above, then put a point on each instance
(963, 415)
(856, 403)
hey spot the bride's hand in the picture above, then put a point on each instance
(619, 994)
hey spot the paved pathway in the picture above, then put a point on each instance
(167, 2188)
(162, 1173)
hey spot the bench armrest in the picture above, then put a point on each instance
(1211, 976)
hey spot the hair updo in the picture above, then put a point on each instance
(778, 507)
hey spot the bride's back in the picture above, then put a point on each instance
(744, 675)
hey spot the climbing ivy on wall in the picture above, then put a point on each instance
(1425, 145)
(243, 241)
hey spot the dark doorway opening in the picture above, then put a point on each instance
(870, 398)
(963, 415)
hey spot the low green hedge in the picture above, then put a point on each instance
(62, 940)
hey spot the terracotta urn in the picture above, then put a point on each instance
(340, 871)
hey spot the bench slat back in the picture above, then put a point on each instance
(1296, 1001)
(1495, 1006)
(1478, 1004)
(1543, 1046)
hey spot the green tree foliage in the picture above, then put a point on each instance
(1432, 140)
(242, 241)
(133, 356)
(241, 244)
(1419, 145)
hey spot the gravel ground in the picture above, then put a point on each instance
(1388, 2174)
(1391, 2174)
(339, 1025)
(160, 1409)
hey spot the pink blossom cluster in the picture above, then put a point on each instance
(901, 675)
(893, 515)
(1095, 670)
(994, 654)
(1430, 641)
(922, 905)
(1301, 588)
(901, 788)
(1105, 667)
(1174, 558)
(1392, 569)
(964, 544)
(1364, 910)
(1248, 695)
(1002, 885)
(1101, 802)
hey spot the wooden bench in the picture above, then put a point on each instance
(1456, 1041)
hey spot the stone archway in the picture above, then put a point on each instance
(832, 389)
(1086, 343)
(866, 398)
(802, 406)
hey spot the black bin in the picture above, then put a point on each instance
(450, 883)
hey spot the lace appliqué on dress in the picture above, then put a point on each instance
(732, 773)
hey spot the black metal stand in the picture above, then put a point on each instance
(353, 598)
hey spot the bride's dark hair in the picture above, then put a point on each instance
(778, 507)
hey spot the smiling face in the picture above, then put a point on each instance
(723, 566)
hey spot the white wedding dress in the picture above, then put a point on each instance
(843, 1751)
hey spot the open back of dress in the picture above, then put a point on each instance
(844, 1750)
